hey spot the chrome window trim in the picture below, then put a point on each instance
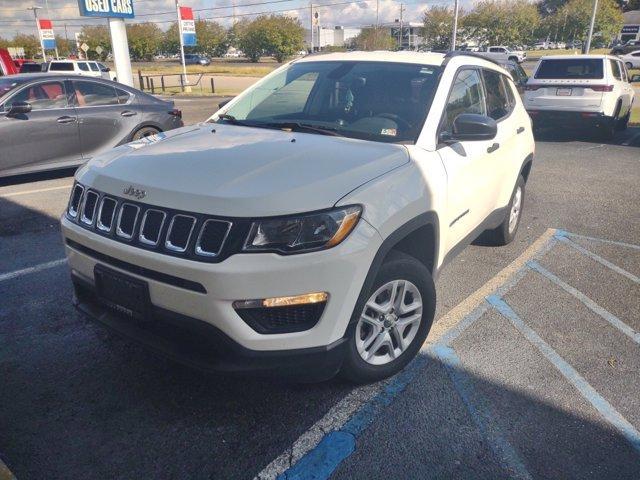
(204, 253)
(167, 243)
(70, 212)
(119, 232)
(99, 225)
(83, 218)
(141, 236)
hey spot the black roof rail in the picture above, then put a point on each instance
(460, 53)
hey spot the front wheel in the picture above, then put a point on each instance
(393, 322)
(144, 132)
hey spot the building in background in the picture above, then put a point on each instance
(408, 34)
(630, 26)
(337, 36)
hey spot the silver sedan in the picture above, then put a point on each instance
(59, 121)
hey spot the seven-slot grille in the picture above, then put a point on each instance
(146, 226)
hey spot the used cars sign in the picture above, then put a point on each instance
(106, 8)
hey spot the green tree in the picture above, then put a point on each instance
(171, 40)
(65, 47)
(30, 43)
(274, 35)
(502, 22)
(145, 40)
(438, 26)
(97, 36)
(578, 17)
(375, 39)
(212, 39)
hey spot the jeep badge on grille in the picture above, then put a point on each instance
(135, 192)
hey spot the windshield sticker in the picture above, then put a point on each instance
(392, 132)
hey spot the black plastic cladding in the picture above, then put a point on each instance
(233, 244)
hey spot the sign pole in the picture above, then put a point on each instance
(187, 87)
(35, 14)
(120, 49)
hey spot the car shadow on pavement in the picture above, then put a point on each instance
(628, 138)
(37, 177)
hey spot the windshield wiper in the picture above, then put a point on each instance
(231, 119)
(304, 127)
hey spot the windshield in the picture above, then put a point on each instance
(582, 68)
(378, 101)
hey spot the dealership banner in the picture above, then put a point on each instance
(187, 27)
(106, 8)
(45, 28)
(631, 29)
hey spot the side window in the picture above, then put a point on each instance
(498, 105)
(61, 66)
(636, 54)
(466, 96)
(123, 96)
(83, 66)
(615, 69)
(93, 94)
(511, 98)
(623, 71)
(94, 67)
(41, 96)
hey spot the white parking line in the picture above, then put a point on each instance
(29, 192)
(36, 268)
(340, 413)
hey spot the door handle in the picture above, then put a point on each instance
(520, 130)
(66, 119)
(493, 147)
(128, 113)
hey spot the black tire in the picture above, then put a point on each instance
(397, 266)
(629, 65)
(623, 123)
(503, 234)
(607, 131)
(144, 132)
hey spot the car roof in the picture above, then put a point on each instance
(404, 56)
(573, 57)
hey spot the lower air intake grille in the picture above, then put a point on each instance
(289, 319)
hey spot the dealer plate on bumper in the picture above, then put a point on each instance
(564, 92)
(124, 294)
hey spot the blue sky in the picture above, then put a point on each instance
(14, 16)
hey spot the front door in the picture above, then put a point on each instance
(48, 135)
(469, 175)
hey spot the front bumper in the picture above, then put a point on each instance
(339, 271)
(200, 345)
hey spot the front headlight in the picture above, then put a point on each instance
(301, 233)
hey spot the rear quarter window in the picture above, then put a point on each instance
(578, 68)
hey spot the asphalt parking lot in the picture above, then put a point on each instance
(531, 370)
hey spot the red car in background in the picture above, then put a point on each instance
(7, 66)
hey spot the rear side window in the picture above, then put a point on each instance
(498, 105)
(578, 68)
(61, 67)
(615, 69)
(123, 96)
(466, 97)
(94, 67)
(83, 66)
(93, 94)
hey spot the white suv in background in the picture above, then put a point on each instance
(580, 91)
(513, 55)
(86, 68)
(301, 228)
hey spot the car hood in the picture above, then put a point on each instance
(240, 171)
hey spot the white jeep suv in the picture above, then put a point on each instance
(580, 91)
(518, 56)
(301, 228)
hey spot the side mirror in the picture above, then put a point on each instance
(635, 78)
(19, 108)
(472, 127)
(223, 103)
(106, 69)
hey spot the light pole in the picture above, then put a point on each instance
(455, 25)
(35, 9)
(593, 21)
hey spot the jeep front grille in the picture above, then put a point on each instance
(171, 232)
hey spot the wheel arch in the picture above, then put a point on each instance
(411, 238)
(525, 170)
(142, 125)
